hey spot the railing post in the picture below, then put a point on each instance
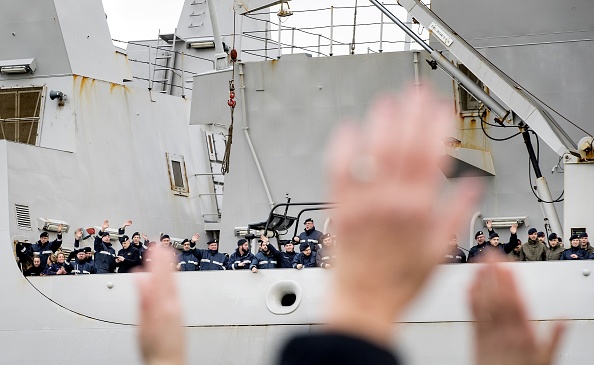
(266, 35)
(319, 44)
(331, 28)
(278, 46)
(292, 40)
(381, 45)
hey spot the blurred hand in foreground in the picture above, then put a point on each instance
(385, 178)
(161, 335)
(503, 334)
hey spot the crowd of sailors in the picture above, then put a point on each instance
(536, 248)
(45, 258)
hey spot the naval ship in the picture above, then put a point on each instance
(141, 131)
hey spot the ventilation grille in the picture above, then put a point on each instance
(23, 217)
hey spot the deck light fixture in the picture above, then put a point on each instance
(506, 222)
(51, 225)
(201, 43)
(21, 66)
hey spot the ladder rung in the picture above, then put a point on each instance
(163, 57)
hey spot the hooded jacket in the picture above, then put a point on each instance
(533, 250)
(555, 253)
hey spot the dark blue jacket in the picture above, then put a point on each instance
(131, 257)
(55, 267)
(34, 271)
(581, 254)
(272, 260)
(46, 250)
(306, 261)
(311, 237)
(237, 258)
(288, 259)
(142, 246)
(478, 251)
(325, 256)
(104, 256)
(211, 260)
(189, 261)
(80, 268)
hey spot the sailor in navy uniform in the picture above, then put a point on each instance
(210, 259)
(242, 257)
(128, 257)
(189, 259)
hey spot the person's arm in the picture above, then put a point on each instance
(513, 239)
(145, 242)
(297, 261)
(490, 229)
(98, 246)
(77, 238)
(57, 243)
(122, 229)
(254, 264)
(471, 254)
(194, 240)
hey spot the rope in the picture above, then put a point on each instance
(354, 29)
(231, 102)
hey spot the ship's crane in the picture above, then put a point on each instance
(520, 107)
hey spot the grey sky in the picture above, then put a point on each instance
(142, 19)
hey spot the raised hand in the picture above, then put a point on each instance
(105, 225)
(385, 174)
(127, 224)
(502, 332)
(78, 234)
(161, 335)
(195, 238)
(513, 229)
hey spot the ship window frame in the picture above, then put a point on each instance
(178, 176)
(19, 119)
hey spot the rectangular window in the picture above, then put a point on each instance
(177, 174)
(178, 177)
(20, 109)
